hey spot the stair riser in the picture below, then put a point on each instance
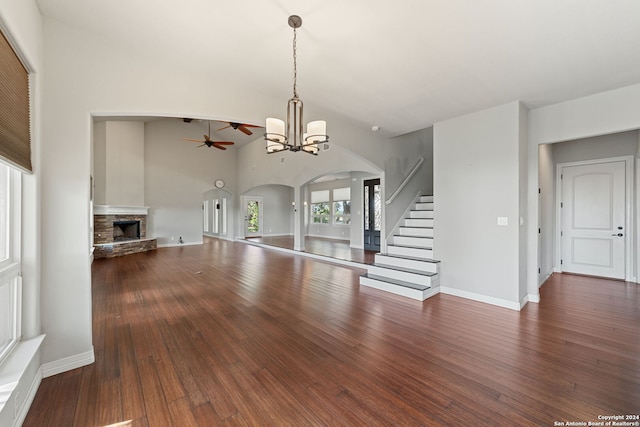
(421, 215)
(418, 222)
(412, 264)
(399, 290)
(426, 199)
(424, 206)
(416, 232)
(405, 276)
(411, 252)
(421, 242)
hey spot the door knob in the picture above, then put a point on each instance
(619, 234)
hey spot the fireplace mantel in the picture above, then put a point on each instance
(120, 210)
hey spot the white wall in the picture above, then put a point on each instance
(277, 209)
(177, 174)
(597, 147)
(476, 180)
(124, 164)
(414, 145)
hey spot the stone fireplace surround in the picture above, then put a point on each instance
(103, 241)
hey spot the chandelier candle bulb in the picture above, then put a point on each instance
(275, 135)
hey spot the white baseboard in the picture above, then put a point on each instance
(28, 400)
(535, 298)
(513, 305)
(171, 245)
(68, 363)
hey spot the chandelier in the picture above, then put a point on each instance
(290, 136)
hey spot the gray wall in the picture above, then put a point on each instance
(476, 180)
(277, 210)
(177, 174)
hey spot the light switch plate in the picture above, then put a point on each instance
(503, 220)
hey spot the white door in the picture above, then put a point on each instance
(593, 219)
(253, 216)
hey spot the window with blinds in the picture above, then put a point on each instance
(15, 135)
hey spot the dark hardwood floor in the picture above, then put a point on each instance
(232, 334)
(332, 248)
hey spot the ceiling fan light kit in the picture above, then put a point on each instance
(290, 135)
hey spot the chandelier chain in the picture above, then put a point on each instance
(295, 65)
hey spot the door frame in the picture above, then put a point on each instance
(629, 211)
(382, 245)
(260, 201)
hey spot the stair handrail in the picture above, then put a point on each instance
(405, 181)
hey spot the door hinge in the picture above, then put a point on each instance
(560, 262)
(538, 270)
(561, 176)
(538, 231)
(561, 205)
(539, 191)
(561, 234)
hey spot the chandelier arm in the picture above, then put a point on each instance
(295, 64)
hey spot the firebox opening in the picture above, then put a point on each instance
(126, 230)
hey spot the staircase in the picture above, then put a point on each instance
(408, 267)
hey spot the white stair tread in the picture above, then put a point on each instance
(418, 236)
(396, 282)
(404, 269)
(410, 257)
(410, 246)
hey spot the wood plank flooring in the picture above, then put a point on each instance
(332, 248)
(232, 334)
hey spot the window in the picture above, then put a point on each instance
(10, 283)
(320, 211)
(342, 206)
(205, 216)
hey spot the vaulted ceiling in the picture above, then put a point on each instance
(402, 65)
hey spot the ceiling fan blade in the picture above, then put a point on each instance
(224, 127)
(201, 145)
(206, 138)
(243, 129)
(224, 142)
(192, 140)
(215, 144)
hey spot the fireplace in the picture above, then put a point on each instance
(126, 230)
(120, 230)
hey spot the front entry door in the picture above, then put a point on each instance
(593, 219)
(253, 216)
(372, 214)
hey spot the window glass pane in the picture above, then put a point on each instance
(224, 216)
(366, 209)
(377, 198)
(206, 216)
(342, 193)
(253, 220)
(4, 212)
(319, 196)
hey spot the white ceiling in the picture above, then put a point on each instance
(402, 65)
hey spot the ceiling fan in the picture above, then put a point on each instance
(209, 143)
(242, 127)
